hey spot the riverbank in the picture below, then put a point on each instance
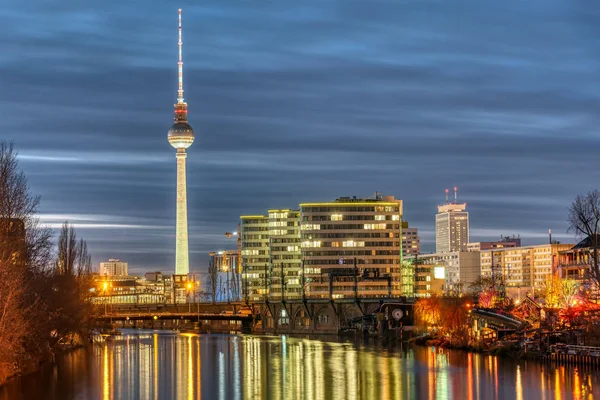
(31, 366)
(511, 350)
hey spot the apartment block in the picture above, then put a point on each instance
(526, 266)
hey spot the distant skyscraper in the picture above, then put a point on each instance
(181, 136)
(451, 226)
(113, 267)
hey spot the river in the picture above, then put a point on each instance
(167, 365)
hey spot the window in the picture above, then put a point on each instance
(380, 218)
(352, 243)
(284, 319)
(374, 226)
(336, 217)
(315, 243)
(395, 217)
(311, 227)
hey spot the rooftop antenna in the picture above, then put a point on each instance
(550, 235)
(180, 65)
(455, 194)
(446, 196)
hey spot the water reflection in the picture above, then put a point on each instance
(163, 365)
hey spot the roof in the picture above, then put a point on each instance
(587, 243)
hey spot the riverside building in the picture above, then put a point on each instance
(340, 249)
(526, 267)
(352, 247)
(458, 269)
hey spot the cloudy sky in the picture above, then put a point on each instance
(300, 101)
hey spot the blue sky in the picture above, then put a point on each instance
(300, 101)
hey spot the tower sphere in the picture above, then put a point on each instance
(181, 135)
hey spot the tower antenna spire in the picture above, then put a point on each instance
(180, 64)
(455, 194)
(446, 196)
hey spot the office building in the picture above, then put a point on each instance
(254, 233)
(284, 250)
(344, 248)
(458, 268)
(451, 226)
(351, 247)
(113, 267)
(429, 277)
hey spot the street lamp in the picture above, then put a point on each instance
(189, 288)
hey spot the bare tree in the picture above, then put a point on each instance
(72, 258)
(25, 250)
(584, 222)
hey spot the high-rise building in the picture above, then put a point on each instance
(113, 267)
(181, 136)
(254, 234)
(411, 242)
(451, 226)
(271, 255)
(284, 249)
(351, 247)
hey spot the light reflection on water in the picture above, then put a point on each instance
(163, 365)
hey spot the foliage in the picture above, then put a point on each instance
(448, 314)
(490, 291)
(40, 306)
(561, 293)
(427, 311)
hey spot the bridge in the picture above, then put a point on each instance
(268, 316)
(237, 316)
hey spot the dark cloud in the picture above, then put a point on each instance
(300, 101)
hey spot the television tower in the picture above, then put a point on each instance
(181, 136)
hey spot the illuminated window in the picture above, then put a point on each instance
(352, 243)
(374, 226)
(395, 217)
(380, 218)
(311, 227)
(336, 217)
(311, 244)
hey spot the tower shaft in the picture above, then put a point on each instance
(182, 265)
